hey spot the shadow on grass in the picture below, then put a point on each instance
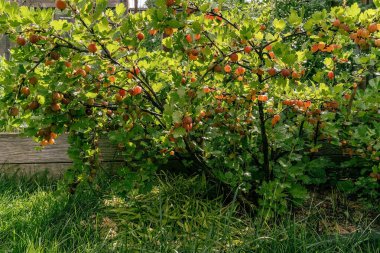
(178, 215)
(36, 216)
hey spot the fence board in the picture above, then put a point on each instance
(21, 150)
(53, 169)
(18, 154)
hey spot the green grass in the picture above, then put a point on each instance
(179, 215)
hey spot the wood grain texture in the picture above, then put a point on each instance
(18, 154)
(21, 150)
(54, 170)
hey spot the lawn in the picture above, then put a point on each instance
(181, 214)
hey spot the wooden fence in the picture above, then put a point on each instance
(19, 154)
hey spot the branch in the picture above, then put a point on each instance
(213, 43)
(155, 102)
(69, 44)
(38, 63)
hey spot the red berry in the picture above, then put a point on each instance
(122, 92)
(44, 142)
(206, 89)
(372, 28)
(170, 3)
(272, 71)
(60, 4)
(285, 72)
(227, 68)
(136, 90)
(21, 41)
(25, 91)
(336, 23)
(262, 98)
(234, 57)
(189, 38)
(331, 75)
(34, 38)
(55, 107)
(14, 111)
(187, 120)
(140, 36)
(240, 70)
(92, 48)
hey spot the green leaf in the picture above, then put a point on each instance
(318, 77)
(228, 175)
(297, 191)
(294, 19)
(205, 7)
(168, 42)
(301, 55)
(58, 25)
(197, 27)
(377, 3)
(21, 69)
(279, 24)
(259, 36)
(346, 186)
(207, 51)
(40, 99)
(329, 63)
(323, 88)
(102, 26)
(181, 91)
(309, 25)
(353, 10)
(362, 60)
(177, 116)
(120, 9)
(157, 87)
(101, 6)
(113, 47)
(290, 58)
(174, 23)
(179, 132)
(91, 95)
(338, 89)
(246, 32)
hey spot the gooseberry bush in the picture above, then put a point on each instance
(236, 94)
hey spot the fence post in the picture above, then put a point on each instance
(367, 1)
(136, 6)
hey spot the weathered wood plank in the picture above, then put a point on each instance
(21, 150)
(15, 149)
(18, 154)
(54, 170)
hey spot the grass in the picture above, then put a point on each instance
(179, 215)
